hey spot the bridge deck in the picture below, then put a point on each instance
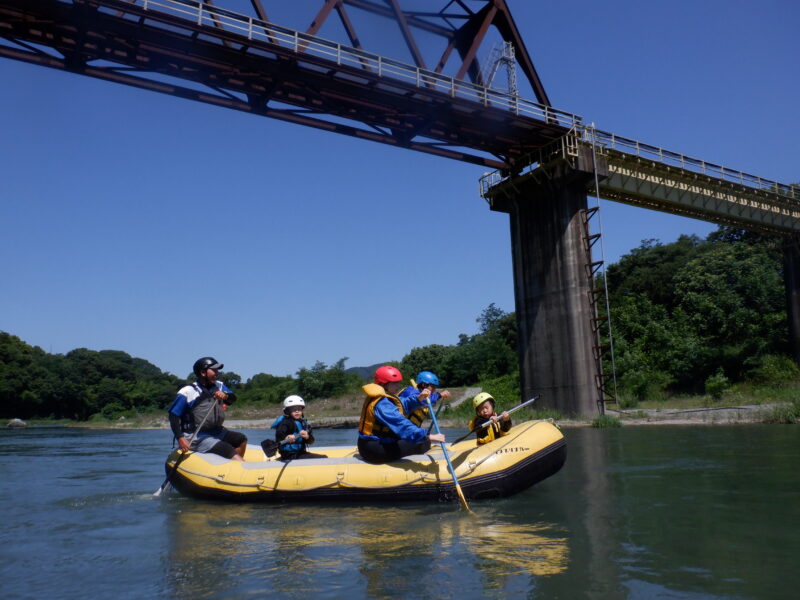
(643, 175)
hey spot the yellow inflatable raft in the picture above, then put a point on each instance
(531, 452)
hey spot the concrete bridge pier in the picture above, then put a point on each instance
(551, 287)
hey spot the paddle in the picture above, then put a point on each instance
(183, 455)
(270, 447)
(479, 427)
(460, 493)
(438, 408)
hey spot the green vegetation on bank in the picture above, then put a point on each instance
(695, 317)
(699, 319)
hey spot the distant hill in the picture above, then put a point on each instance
(365, 373)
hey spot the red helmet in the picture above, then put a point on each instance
(387, 373)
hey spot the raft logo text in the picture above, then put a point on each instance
(510, 450)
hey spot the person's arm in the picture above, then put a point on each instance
(285, 428)
(310, 438)
(224, 394)
(175, 425)
(415, 399)
(175, 413)
(505, 422)
(387, 413)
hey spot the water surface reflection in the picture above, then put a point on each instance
(414, 551)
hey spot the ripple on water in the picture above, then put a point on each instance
(94, 501)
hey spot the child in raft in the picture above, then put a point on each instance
(293, 432)
(425, 381)
(484, 411)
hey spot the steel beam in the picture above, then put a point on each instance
(216, 58)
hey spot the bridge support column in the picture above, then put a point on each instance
(551, 288)
(791, 274)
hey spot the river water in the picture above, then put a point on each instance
(699, 512)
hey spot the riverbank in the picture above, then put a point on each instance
(263, 418)
(765, 405)
(723, 415)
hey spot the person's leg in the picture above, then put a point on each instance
(406, 447)
(223, 449)
(311, 455)
(376, 453)
(238, 442)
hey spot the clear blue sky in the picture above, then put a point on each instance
(170, 229)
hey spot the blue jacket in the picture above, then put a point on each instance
(387, 413)
(411, 402)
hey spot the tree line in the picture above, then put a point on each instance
(696, 315)
(691, 316)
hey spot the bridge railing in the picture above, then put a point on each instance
(304, 44)
(696, 165)
(565, 147)
(568, 147)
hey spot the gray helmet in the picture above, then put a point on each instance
(207, 362)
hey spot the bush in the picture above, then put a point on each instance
(644, 384)
(505, 390)
(717, 384)
(788, 413)
(112, 411)
(606, 421)
(626, 401)
(775, 368)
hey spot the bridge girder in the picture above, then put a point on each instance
(208, 61)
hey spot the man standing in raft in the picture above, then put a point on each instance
(199, 407)
(384, 431)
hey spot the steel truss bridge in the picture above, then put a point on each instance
(201, 52)
(209, 54)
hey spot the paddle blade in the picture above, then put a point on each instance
(463, 500)
(165, 487)
(269, 447)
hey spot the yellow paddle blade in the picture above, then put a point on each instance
(463, 500)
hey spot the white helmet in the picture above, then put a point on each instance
(292, 401)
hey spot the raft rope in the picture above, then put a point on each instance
(339, 481)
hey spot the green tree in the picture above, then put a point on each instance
(684, 310)
(734, 296)
(76, 385)
(321, 381)
(265, 388)
(426, 358)
(650, 270)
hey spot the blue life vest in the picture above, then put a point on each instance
(299, 445)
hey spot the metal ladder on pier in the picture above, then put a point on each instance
(601, 352)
